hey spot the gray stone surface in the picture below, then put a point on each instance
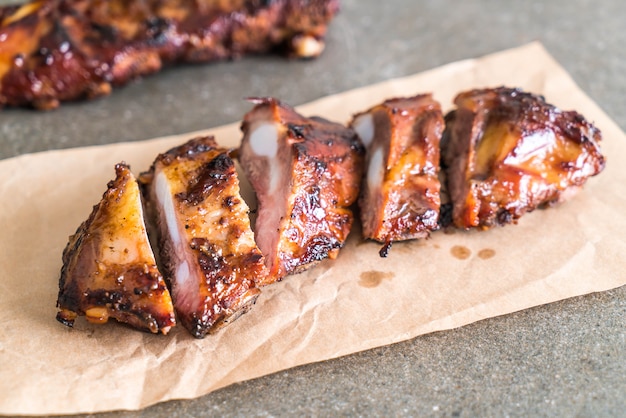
(564, 359)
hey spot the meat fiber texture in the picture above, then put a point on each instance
(572, 249)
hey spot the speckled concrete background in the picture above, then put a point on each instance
(564, 359)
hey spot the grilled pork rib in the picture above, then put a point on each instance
(306, 174)
(508, 152)
(400, 193)
(58, 50)
(109, 269)
(206, 245)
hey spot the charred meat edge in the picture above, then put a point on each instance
(109, 269)
(206, 245)
(306, 174)
(400, 195)
(507, 152)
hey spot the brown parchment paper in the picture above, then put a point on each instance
(356, 302)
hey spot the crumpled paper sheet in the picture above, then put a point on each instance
(356, 302)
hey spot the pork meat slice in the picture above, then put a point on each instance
(508, 152)
(207, 248)
(109, 269)
(306, 174)
(400, 194)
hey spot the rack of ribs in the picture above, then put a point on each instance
(508, 152)
(60, 50)
(400, 195)
(207, 249)
(306, 173)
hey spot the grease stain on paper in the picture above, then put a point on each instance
(463, 253)
(373, 278)
(460, 252)
(486, 253)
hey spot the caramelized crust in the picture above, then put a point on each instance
(306, 174)
(400, 193)
(58, 50)
(508, 152)
(109, 269)
(206, 245)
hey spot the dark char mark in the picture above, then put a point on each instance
(212, 175)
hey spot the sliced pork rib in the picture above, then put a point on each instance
(306, 174)
(400, 194)
(109, 269)
(58, 50)
(508, 152)
(206, 245)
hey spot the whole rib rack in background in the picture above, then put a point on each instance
(59, 50)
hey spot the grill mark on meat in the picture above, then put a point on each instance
(400, 194)
(211, 175)
(305, 188)
(206, 244)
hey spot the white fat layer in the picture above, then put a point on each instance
(164, 197)
(274, 175)
(364, 127)
(264, 139)
(264, 143)
(182, 273)
(376, 169)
